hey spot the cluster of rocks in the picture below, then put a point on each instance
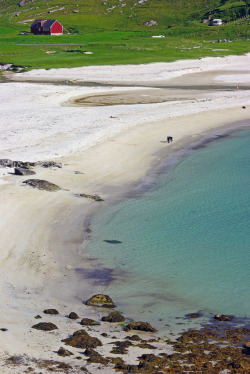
(211, 349)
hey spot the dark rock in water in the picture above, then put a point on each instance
(45, 326)
(93, 197)
(42, 184)
(112, 241)
(73, 315)
(49, 164)
(100, 300)
(223, 317)
(81, 339)
(141, 326)
(87, 322)
(193, 315)
(64, 352)
(38, 316)
(114, 317)
(121, 347)
(51, 311)
(95, 357)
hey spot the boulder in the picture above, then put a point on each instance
(223, 317)
(141, 326)
(64, 352)
(101, 300)
(73, 315)
(23, 171)
(45, 326)
(42, 184)
(81, 339)
(51, 311)
(87, 322)
(37, 316)
(114, 317)
(193, 315)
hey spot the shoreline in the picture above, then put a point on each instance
(43, 252)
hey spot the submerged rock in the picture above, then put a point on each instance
(81, 339)
(193, 315)
(45, 326)
(223, 317)
(141, 326)
(114, 317)
(23, 171)
(51, 311)
(101, 300)
(42, 184)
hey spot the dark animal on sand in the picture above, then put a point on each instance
(169, 139)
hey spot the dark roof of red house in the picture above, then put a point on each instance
(47, 23)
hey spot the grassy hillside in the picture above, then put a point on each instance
(118, 31)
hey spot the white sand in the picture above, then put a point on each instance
(41, 232)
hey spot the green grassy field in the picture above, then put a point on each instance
(117, 34)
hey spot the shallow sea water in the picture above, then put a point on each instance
(184, 246)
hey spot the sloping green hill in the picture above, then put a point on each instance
(120, 31)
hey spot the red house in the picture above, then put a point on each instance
(46, 27)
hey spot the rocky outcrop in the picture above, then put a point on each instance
(101, 300)
(81, 339)
(73, 315)
(141, 326)
(114, 317)
(23, 171)
(223, 317)
(93, 197)
(51, 311)
(42, 185)
(64, 352)
(6, 163)
(45, 326)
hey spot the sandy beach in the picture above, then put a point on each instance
(107, 138)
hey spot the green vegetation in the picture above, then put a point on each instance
(116, 32)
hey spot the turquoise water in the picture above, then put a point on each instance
(183, 247)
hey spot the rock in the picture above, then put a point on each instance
(193, 315)
(141, 326)
(45, 326)
(93, 197)
(49, 164)
(134, 338)
(87, 322)
(22, 171)
(121, 347)
(100, 300)
(246, 348)
(6, 163)
(3, 329)
(73, 315)
(223, 317)
(151, 23)
(38, 316)
(146, 346)
(114, 317)
(81, 339)
(51, 311)
(42, 185)
(95, 357)
(64, 352)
